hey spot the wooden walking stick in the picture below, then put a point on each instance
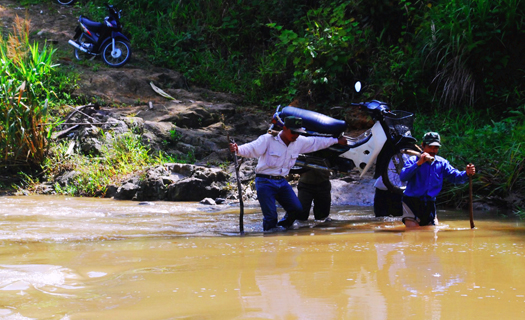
(471, 206)
(239, 186)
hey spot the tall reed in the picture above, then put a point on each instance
(26, 73)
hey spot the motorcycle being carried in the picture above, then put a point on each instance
(105, 39)
(388, 141)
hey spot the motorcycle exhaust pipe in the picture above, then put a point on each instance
(311, 166)
(77, 46)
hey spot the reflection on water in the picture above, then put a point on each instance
(75, 258)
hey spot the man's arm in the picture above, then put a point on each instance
(318, 143)
(455, 176)
(253, 149)
(410, 168)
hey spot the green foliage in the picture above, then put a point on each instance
(436, 54)
(445, 60)
(321, 50)
(123, 156)
(30, 87)
(472, 50)
(27, 71)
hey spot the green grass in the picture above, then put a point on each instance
(119, 159)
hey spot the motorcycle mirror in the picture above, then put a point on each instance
(357, 86)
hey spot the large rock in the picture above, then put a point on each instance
(127, 191)
(154, 185)
(193, 189)
(198, 183)
(174, 182)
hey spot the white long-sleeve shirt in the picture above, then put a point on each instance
(275, 157)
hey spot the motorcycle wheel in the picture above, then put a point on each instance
(119, 57)
(81, 55)
(66, 2)
(391, 172)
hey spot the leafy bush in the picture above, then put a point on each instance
(472, 49)
(321, 50)
(27, 72)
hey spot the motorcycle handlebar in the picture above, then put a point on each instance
(366, 105)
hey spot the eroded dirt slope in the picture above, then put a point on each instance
(130, 85)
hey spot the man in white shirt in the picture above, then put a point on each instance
(276, 156)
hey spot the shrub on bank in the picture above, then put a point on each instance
(27, 71)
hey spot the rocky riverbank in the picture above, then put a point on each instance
(199, 128)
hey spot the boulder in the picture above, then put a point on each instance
(126, 191)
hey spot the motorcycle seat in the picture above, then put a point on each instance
(93, 26)
(315, 121)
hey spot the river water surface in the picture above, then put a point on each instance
(84, 258)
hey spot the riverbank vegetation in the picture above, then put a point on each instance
(33, 95)
(457, 64)
(24, 94)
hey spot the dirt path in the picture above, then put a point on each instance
(129, 85)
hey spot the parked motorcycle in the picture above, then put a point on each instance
(389, 140)
(105, 39)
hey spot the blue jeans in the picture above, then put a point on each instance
(269, 191)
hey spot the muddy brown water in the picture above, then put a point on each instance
(83, 258)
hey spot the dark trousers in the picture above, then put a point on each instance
(423, 210)
(321, 196)
(387, 203)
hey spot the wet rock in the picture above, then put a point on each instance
(183, 169)
(208, 201)
(117, 126)
(153, 186)
(151, 190)
(127, 191)
(45, 188)
(199, 183)
(188, 189)
(135, 124)
(197, 117)
(251, 124)
(111, 191)
(215, 158)
(66, 178)
(210, 175)
(91, 146)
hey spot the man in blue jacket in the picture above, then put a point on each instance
(424, 177)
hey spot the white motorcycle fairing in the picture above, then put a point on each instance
(367, 153)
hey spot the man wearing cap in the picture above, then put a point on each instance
(424, 177)
(276, 156)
